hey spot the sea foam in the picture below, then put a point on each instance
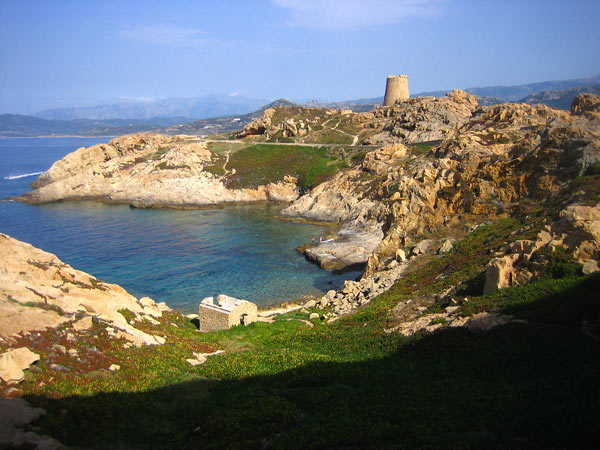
(16, 177)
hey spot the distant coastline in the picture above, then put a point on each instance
(62, 136)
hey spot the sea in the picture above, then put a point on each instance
(175, 256)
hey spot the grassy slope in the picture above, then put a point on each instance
(261, 164)
(350, 385)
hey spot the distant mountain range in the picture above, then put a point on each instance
(560, 98)
(227, 124)
(225, 113)
(517, 93)
(193, 108)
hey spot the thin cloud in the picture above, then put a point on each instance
(346, 14)
(164, 34)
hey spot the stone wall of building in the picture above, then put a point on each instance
(213, 318)
(244, 310)
(226, 313)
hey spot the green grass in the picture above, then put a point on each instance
(522, 385)
(261, 164)
(585, 189)
(420, 149)
(351, 385)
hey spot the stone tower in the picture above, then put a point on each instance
(395, 89)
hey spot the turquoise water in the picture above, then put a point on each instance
(174, 256)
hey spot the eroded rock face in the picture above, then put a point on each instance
(585, 103)
(258, 126)
(499, 155)
(38, 290)
(423, 119)
(147, 170)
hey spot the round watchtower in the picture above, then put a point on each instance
(396, 89)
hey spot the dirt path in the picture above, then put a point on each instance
(225, 171)
(232, 141)
(335, 128)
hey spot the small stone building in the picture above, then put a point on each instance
(226, 313)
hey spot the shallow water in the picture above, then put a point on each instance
(176, 256)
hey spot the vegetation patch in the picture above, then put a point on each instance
(420, 149)
(349, 384)
(341, 385)
(585, 189)
(261, 164)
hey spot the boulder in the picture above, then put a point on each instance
(446, 246)
(500, 273)
(310, 304)
(13, 362)
(400, 255)
(590, 266)
(423, 247)
(485, 321)
(83, 324)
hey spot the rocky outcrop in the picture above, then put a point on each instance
(258, 126)
(415, 120)
(341, 200)
(357, 293)
(38, 290)
(350, 250)
(148, 170)
(501, 155)
(577, 231)
(423, 119)
(585, 103)
(274, 123)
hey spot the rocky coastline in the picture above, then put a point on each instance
(149, 171)
(487, 160)
(514, 186)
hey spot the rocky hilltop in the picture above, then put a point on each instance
(415, 120)
(500, 159)
(149, 170)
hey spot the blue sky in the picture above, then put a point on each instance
(72, 52)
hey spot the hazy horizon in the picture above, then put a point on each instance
(69, 53)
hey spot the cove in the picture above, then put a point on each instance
(176, 256)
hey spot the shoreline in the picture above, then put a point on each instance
(294, 302)
(57, 137)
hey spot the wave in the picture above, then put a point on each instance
(15, 177)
